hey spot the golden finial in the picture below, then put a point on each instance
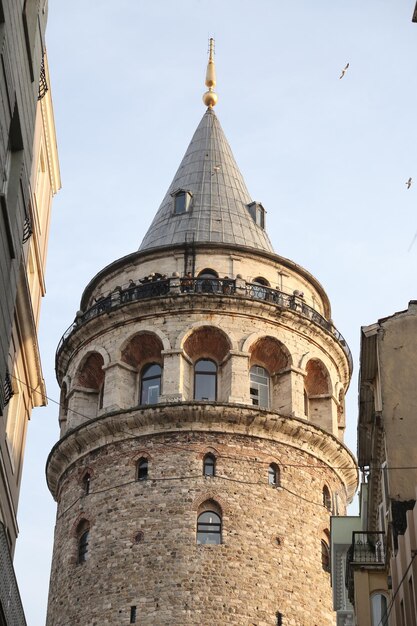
(210, 98)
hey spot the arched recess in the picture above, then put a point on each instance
(200, 502)
(90, 373)
(318, 395)
(141, 349)
(210, 344)
(86, 397)
(140, 352)
(271, 355)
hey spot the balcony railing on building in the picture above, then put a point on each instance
(215, 286)
(368, 550)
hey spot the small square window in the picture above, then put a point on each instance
(182, 201)
(257, 213)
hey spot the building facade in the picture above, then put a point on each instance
(202, 417)
(380, 546)
(29, 176)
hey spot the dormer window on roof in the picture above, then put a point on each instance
(182, 201)
(258, 213)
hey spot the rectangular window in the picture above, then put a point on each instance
(132, 615)
(180, 203)
(7, 226)
(260, 217)
(8, 79)
(30, 25)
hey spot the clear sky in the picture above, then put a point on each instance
(328, 159)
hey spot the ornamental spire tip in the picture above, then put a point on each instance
(210, 97)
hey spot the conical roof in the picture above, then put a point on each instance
(218, 210)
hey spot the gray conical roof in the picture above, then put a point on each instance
(219, 207)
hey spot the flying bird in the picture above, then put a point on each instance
(408, 183)
(411, 244)
(216, 168)
(345, 69)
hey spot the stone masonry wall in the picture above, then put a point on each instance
(269, 561)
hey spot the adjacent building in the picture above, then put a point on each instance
(380, 546)
(29, 177)
(202, 417)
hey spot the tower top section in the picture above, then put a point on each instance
(210, 98)
(207, 201)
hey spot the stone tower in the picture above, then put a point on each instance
(202, 418)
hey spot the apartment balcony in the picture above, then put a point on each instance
(367, 551)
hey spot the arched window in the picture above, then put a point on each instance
(258, 290)
(142, 469)
(150, 384)
(83, 534)
(325, 556)
(259, 386)
(205, 380)
(378, 609)
(208, 281)
(273, 475)
(260, 280)
(86, 483)
(208, 273)
(209, 528)
(209, 465)
(327, 498)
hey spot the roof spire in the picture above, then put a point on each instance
(210, 98)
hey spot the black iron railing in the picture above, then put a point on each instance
(205, 285)
(225, 286)
(368, 549)
(43, 85)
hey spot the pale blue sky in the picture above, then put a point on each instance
(328, 159)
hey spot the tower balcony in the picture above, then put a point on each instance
(195, 287)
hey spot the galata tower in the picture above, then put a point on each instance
(202, 417)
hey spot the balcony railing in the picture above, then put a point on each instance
(368, 549)
(204, 285)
